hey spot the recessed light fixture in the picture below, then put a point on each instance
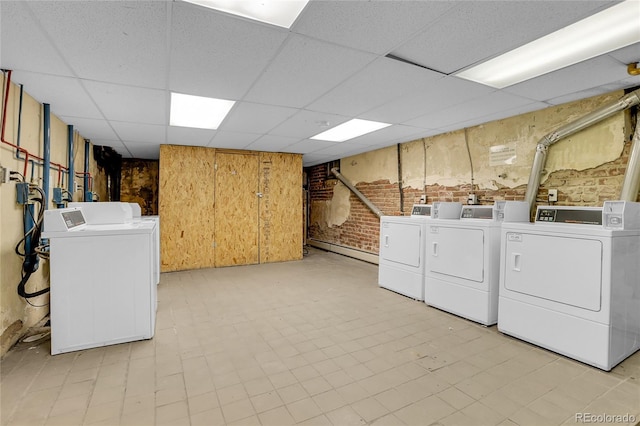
(198, 111)
(282, 13)
(349, 130)
(611, 29)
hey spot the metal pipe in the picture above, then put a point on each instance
(358, 194)
(588, 120)
(85, 189)
(631, 183)
(70, 180)
(46, 156)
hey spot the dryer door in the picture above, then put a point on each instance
(558, 268)
(458, 252)
(401, 243)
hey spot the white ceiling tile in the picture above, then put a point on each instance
(234, 140)
(307, 123)
(381, 81)
(272, 143)
(307, 146)
(119, 41)
(496, 102)
(65, 95)
(19, 34)
(627, 55)
(189, 136)
(474, 31)
(135, 132)
(343, 149)
(391, 135)
(126, 103)
(575, 78)
(216, 55)
(441, 94)
(374, 27)
(248, 117)
(304, 70)
(90, 128)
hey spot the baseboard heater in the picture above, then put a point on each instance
(346, 251)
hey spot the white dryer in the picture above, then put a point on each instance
(463, 260)
(103, 289)
(570, 282)
(402, 250)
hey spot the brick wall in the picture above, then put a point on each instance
(139, 184)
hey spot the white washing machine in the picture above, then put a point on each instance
(103, 289)
(402, 250)
(463, 260)
(570, 282)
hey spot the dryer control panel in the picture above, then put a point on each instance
(569, 215)
(421, 210)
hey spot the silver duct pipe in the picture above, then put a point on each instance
(588, 120)
(631, 183)
(358, 194)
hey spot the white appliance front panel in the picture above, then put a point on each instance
(538, 265)
(401, 243)
(457, 252)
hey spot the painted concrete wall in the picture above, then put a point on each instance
(439, 166)
(16, 315)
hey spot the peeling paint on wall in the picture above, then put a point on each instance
(371, 166)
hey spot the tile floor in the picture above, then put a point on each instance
(309, 342)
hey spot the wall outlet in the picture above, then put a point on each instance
(553, 195)
(472, 199)
(4, 175)
(423, 199)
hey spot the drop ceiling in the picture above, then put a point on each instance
(108, 68)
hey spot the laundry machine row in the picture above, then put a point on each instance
(570, 281)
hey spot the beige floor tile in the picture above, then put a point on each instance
(303, 409)
(352, 392)
(370, 409)
(258, 386)
(203, 402)
(237, 410)
(69, 405)
(231, 394)
(346, 416)
(266, 401)
(482, 414)
(67, 419)
(282, 379)
(211, 417)
(388, 420)
(276, 417)
(456, 398)
(425, 411)
(316, 385)
(107, 411)
(338, 378)
(328, 401)
(292, 393)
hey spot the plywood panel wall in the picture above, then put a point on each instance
(236, 225)
(281, 214)
(186, 207)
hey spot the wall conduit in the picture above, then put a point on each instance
(357, 193)
(588, 120)
(631, 183)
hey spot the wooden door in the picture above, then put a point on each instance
(280, 207)
(186, 207)
(236, 224)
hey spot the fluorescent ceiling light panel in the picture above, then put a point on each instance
(282, 13)
(198, 111)
(349, 130)
(611, 29)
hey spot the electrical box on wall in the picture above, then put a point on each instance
(553, 195)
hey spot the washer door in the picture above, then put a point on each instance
(561, 269)
(457, 252)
